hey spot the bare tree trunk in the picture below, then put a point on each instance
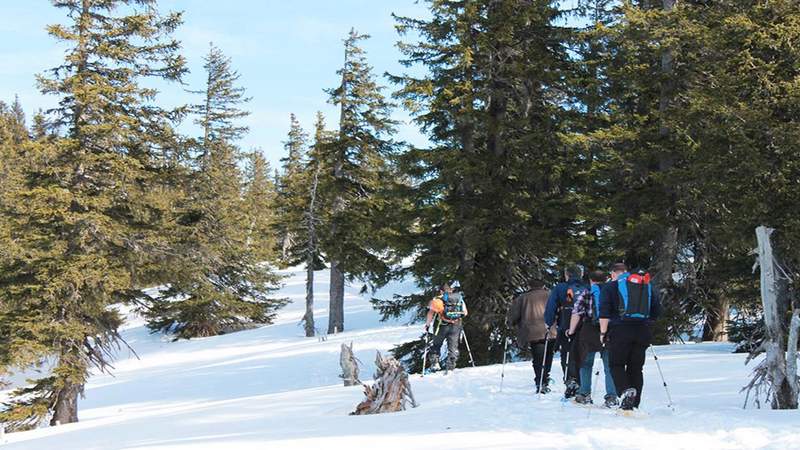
(349, 364)
(311, 250)
(717, 320)
(773, 293)
(336, 310)
(667, 251)
(285, 245)
(308, 317)
(65, 409)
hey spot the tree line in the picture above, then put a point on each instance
(658, 133)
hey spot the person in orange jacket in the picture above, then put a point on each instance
(446, 312)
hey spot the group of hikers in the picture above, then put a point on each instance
(610, 314)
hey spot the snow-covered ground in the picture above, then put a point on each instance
(272, 388)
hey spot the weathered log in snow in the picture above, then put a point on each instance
(391, 390)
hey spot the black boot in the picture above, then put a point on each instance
(571, 389)
(628, 399)
(611, 401)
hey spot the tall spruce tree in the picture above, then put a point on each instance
(13, 136)
(490, 199)
(291, 189)
(639, 155)
(220, 284)
(734, 115)
(302, 212)
(85, 220)
(589, 118)
(259, 207)
(359, 167)
(312, 219)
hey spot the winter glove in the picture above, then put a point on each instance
(604, 340)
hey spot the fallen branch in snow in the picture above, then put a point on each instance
(391, 390)
(349, 365)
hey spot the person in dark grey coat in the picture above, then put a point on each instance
(526, 314)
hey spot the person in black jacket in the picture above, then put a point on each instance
(559, 312)
(628, 306)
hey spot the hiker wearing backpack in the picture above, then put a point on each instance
(445, 313)
(585, 325)
(559, 312)
(628, 306)
(526, 314)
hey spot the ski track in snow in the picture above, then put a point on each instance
(273, 388)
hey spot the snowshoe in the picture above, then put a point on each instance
(611, 401)
(628, 399)
(583, 399)
(572, 389)
(435, 367)
(544, 390)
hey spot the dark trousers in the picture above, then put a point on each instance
(569, 365)
(452, 333)
(541, 360)
(628, 344)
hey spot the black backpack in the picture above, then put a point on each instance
(453, 306)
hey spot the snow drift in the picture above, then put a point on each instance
(273, 388)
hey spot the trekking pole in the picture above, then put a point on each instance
(544, 359)
(594, 389)
(425, 354)
(569, 356)
(666, 389)
(464, 336)
(503, 370)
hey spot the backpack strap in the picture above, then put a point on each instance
(595, 293)
(622, 286)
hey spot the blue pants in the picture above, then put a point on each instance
(586, 374)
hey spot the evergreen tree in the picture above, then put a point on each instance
(259, 206)
(490, 196)
(640, 157)
(85, 220)
(734, 116)
(292, 189)
(220, 284)
(683, 88)
(14, 122)
(589, 119)
(358, 165)
(301, 210)
(313, 217)
(13, 134)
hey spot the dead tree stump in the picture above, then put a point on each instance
(777, 373)
(391, 390)
(349, 365)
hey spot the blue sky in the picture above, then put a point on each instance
(287, 51)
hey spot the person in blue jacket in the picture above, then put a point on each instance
(559, 311)
(628, 306)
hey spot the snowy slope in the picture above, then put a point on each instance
(272, 388)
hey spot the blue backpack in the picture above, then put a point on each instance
(635, 294)
(453, 306)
